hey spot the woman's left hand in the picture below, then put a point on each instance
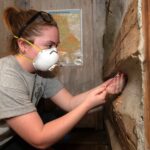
(116, 85)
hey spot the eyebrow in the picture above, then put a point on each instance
(52, 42)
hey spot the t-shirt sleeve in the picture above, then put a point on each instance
(52, 87)
(14, 96)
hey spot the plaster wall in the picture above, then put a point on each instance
(124, 48)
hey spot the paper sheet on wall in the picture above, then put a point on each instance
(70, 27)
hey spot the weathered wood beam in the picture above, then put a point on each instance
(146, 23)
(127, 41)
(126, 112)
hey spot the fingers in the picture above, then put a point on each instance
(112, 86)
(120, 82)
(117, 84)
(97, 96)
(101, 97)
(99, 89)
(94, 98)
(106, 83)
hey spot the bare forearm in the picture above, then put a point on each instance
(56, 129)
(77, 100)
(67, 101)
(30, 127)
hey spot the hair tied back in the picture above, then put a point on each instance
(10, 18)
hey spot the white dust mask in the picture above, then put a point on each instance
(46, 59)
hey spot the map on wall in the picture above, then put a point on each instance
(70, 27)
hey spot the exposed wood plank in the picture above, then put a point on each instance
(123, 111)
(146, 23)
(98, 31)
(127, 41)
(112, 136)
(123, 49)
(116, 10)
(126, 112)
(99, 11)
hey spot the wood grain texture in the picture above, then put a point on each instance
(127, 42)
(126, 111)
(146, 23)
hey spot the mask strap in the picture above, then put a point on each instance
(34, 46)
(29, 59)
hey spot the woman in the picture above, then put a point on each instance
(34, 42)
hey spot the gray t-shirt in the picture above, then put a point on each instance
(20, 92)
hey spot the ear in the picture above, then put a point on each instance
(23, 45)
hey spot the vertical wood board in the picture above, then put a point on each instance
(146, 23)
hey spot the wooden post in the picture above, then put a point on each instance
(146, 23)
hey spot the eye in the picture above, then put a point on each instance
(50, 46)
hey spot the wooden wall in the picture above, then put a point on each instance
(127, 54)
(77, 78)
(146, 22)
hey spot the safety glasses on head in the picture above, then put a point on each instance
(44, 15)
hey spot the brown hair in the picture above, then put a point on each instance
(15, 19)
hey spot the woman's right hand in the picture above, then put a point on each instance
(96, 96)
